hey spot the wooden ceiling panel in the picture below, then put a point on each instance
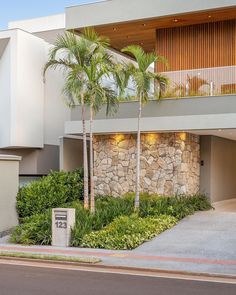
(143, 32)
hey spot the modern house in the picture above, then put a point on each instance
(188, 138)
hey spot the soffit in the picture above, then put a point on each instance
(143, 32)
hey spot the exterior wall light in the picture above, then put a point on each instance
(119, 137)
(183, 136)
(151, 138)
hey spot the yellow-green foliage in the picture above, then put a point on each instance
(128, 232)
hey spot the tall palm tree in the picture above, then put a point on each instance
(100, 67)
(71, 54)
(142, 78)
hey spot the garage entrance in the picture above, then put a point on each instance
(218, 169)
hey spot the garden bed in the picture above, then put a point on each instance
(113, 226)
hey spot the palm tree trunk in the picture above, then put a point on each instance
(85, 156)
(92, 201)
(136, 204)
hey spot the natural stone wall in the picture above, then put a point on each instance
(169, 163)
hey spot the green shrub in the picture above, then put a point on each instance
(107, 208)
(51, 191)
(128, 232)
(35, 230)
(177, 206)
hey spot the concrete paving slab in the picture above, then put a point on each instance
(210, 235)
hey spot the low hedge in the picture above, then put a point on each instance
(34, 230)
(51, 191)
(178, 206)
(37, 228)
(128, 232)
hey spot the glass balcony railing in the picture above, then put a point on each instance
(189, 83)
(201, 82)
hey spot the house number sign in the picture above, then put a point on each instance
(61, 219)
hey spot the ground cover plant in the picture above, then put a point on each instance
(128, 232)
(113, 226)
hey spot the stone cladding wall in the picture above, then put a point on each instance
(170, 163)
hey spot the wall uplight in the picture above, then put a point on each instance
(151, 138)
(119, 137)
(183, 136)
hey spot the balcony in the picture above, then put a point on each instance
(216, 81)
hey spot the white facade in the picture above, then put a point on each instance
(21, 101)
(32, 111)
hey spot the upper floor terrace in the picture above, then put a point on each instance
(198, 39)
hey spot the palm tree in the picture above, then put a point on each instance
(142, 78)
(71, 54)
(97, 94)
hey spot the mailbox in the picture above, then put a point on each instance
(63, 220)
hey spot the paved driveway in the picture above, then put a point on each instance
(205, 234)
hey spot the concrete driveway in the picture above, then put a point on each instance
(207, 235)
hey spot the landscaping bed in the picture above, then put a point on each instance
(113, 226)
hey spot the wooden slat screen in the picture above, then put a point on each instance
(198, 46)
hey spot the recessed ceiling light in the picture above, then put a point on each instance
(209, 16)
(175, 20)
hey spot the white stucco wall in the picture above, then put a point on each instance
(9, 182)
(56, 113)
(21, 103)
(28, 91)
(5, 94)
(32, 113)
(39, 24)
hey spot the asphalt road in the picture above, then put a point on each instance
(24, 280)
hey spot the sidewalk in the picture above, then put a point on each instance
(135, 259)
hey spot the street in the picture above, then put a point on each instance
(28, 280)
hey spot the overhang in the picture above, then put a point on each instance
(190, 114)
(136, 21)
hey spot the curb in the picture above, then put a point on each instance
(140, 270)
(48, 261)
